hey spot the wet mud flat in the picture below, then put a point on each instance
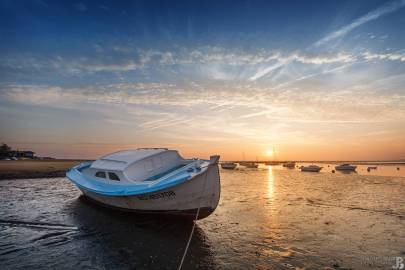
(265, 220)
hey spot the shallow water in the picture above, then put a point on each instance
(266, 219)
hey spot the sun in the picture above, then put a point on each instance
(269, 152)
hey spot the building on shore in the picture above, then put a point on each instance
(7, 153)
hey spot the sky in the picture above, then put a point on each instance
(308, 80)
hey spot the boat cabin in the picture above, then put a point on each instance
(142, 164)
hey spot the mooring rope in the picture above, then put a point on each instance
(194, 221)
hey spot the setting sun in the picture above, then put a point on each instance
(269, 152)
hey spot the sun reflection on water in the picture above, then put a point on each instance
(270, 188)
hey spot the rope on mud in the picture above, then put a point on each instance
(194, 222)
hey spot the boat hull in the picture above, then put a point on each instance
(252, 166)
(348, 168)
(183, 200)
(311, 169)
(229, 166)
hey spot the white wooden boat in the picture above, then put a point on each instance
(311, 168)
(151, 181)
(345, 167)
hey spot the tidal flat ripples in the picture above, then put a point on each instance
(266, 219)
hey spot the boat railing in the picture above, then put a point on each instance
(82, 166)
(178, 171)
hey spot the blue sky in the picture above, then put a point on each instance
(78, 79)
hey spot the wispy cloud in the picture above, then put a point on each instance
(396, 56)
(305, 59)
(265, 71)
(129, 59)
(313, 75)
(373, 15)
(205, 63)
(248, 100)
(159, 112)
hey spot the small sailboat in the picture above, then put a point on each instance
(310, 168)
(345, 167)
(228, 165)
(249, 164)
(289, 165)
(151, 181)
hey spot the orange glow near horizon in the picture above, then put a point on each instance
(269, 152)
(237, 150)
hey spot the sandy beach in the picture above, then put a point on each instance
(22, 169)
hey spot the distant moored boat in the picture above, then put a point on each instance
(251, 165)
(371, 168)
(310, 168)
(345, 167)
(228, 165)
(289, 164)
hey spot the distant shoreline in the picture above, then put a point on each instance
(26, 169)
(378, 162)
(35, 168)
